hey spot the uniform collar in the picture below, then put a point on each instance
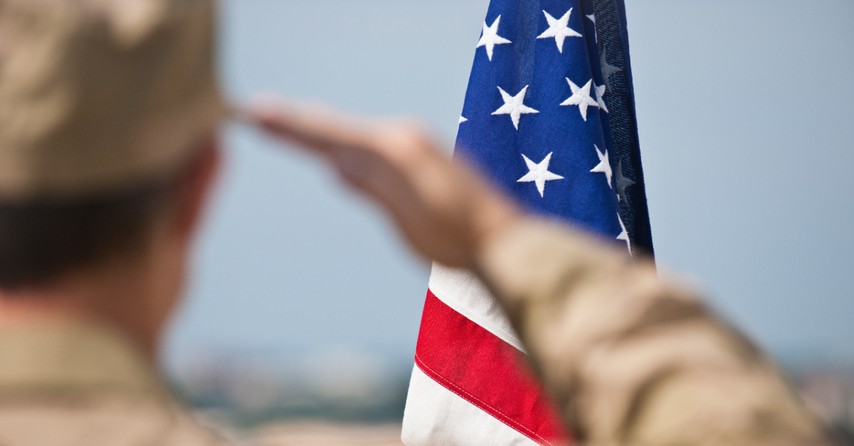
(72, 358)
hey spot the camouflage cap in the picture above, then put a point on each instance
(97, 95)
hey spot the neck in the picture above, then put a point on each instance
(119, 294)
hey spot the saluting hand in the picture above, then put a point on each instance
(445, 210)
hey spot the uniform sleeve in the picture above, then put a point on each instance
(632, 359)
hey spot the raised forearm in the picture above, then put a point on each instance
(632, 359)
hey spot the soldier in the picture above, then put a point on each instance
(108, 111)
(629, 359)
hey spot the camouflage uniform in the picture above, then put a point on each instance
(633, 360)
(84, 385)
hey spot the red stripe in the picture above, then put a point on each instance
(485, 371)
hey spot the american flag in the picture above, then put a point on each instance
(549, 117)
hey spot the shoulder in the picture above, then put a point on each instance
(108, 421)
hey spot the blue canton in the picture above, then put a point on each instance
(549, 114)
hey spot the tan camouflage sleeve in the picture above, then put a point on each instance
(631, 359)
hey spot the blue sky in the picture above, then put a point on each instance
(745, 113)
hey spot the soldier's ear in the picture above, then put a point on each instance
(196, 187)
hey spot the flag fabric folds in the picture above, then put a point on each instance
(549, 117)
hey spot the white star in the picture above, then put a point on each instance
(607, 69)
(538, 173)
(514, 106)
(558, 29)
(624, 235)
(581, 97)
(490, 38)
(592, 18)
(604, 165)
(463, 119)
(600, 97)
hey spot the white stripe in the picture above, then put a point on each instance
(467, 295)
(436, 416)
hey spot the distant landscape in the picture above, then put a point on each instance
(364, 395)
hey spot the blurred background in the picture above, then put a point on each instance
(304, 307)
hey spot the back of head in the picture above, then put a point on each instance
(103, 103)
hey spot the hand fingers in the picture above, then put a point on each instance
(313, 126)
